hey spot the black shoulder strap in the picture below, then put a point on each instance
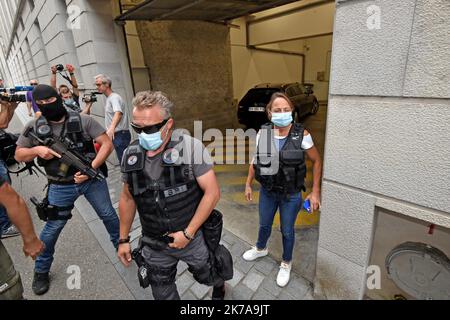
(173, 174)
(133, 161)
(133, 158)
(265, 143)
(73, 126)
(296, 135)
(71, 113)
(39, 125)
(267, 125)
(172, 143)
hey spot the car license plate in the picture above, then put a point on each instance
(257, 109)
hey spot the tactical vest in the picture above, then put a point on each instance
(76, 140)
(281, 171)
(166, 204)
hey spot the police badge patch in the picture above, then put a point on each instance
(131, 161)
(170, 156)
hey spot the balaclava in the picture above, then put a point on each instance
(51, 111)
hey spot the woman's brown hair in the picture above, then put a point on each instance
(278, 95)
(63, 89)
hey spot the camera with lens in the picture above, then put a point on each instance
(59, 67)
(11, 95)
(90, 97)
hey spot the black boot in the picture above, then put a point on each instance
(41, 283)
(218, 292)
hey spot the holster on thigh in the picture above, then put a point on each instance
(152, 274)
(161, 276)
(47, 212)
(219, 267)
(212, 229)
(203, 274)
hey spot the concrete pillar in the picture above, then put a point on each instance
(5, 71)
(191, 62)
(39, 54)
(388, 136)
(29, 63)
(56, 36)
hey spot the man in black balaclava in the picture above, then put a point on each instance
(65, 183)
(49, 102)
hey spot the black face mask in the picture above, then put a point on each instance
(52, 111)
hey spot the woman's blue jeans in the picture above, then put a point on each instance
(289, 206)
(97, 194)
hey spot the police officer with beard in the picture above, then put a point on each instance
(65, 183)
(170, 180)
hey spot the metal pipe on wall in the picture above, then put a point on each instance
(277, 15)
(284, 52)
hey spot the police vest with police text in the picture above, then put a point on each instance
(166, 204)
(281, 171)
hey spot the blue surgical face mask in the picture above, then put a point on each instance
(282, 119)
(150, 142)
(69, 101)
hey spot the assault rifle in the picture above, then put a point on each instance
(68, 157)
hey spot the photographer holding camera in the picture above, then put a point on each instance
(71, 98)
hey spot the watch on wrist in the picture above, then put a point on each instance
(126, 240)
(187, 235)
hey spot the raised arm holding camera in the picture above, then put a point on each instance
(71, 98)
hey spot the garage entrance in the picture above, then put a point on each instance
(208, 54)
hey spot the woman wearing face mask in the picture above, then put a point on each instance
(281, 176)
(71, 98)
(71, 101)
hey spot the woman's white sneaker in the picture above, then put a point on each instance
(284, 274)
(254, 253)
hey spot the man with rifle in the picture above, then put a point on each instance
(63, 142)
